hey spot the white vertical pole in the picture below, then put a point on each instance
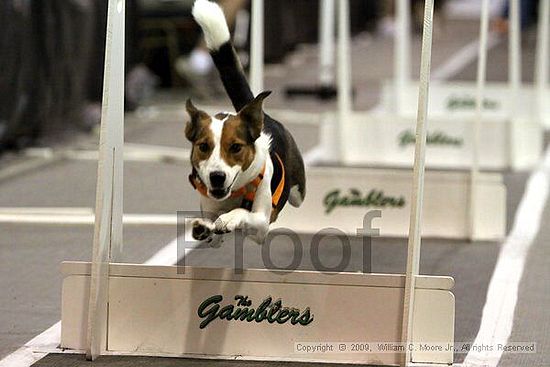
(344, 76)
(257, 47)
(402, 53)
(326, 43)
(514, 55)
(415, 227)
(514, 71)
(543, 58)
(107, 245)
(480, 92)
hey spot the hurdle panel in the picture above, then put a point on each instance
(340, 198)
(382, 139)
(388, 140)
(457, 99)
(153, 310)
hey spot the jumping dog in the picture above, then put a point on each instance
(246, 165)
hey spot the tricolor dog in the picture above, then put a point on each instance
(246, 165)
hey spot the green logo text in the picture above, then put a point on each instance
(407, 137)
(469, 103)
(374, 198)
(269, 311)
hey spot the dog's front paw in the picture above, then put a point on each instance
(202, 229)
(231, 221)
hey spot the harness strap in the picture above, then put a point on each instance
(276, 196)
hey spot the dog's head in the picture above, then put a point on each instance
(223, 145)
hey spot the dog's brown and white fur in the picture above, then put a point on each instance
(230, 150)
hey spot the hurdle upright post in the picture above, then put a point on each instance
(107, 243)
(402, 53)
(326, 43)
(344, 78)
(514, 69)
(481, 79)
(257, 47)
(542, 58)
(415, 225)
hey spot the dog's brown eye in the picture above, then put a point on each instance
(204, 147)
(235, 148)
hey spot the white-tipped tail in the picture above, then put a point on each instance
(210, 17)
(295, 197)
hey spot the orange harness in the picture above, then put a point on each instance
(248, 191)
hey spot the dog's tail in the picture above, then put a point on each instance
(211, 19)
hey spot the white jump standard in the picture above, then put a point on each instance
(131, 309)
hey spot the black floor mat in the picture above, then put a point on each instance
(78, 360)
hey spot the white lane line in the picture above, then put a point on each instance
(16, 169)
(462, 58)
(45, 210)
(48, 341)
(81, 218)
(170, 254)
(28, 354)
(163, 112)
(498, 313)
(132, 153)
(470, 9)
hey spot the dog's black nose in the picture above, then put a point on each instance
(217, 179)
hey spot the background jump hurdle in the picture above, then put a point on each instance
(381, 139)
(521, 127)
(340, 198)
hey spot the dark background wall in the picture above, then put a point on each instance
(51, 68)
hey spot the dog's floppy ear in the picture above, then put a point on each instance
(193, 125)
(253, 116)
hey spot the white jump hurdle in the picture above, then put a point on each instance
(510, 140)
(110, 308)
(339, 197)
(514, 112)
(354, 139)
(516, 142)
(153, 311)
